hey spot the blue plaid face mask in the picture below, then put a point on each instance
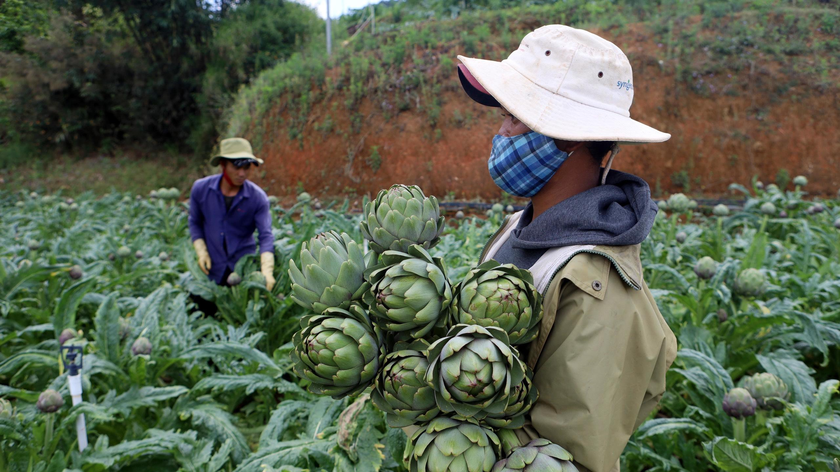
(521, 165)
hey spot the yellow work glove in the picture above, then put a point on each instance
(267, 264)
(204, 261)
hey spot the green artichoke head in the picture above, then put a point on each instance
(769, 391)
(772, 188)
(539, 455)
(304, 197)
(75, 272)
(521, 400)
(401, 217)
(66, 335)
(721, 210)
(750, 283)
(33, 245)
(681, 237)
(123, 252)
(500, 295)
(49, 401)
(498, 208)
(409, 291)
(768, 208)
(141, 347)
(738, 403)
(800, 181)
(662, 205)
(339, 351)
(452, 444)
(474, 371)
(331, 273)
(705, 268)
(400, 389)
(234, 279)
(837, 223)
(679, 202)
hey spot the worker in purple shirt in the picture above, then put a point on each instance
(225, 209)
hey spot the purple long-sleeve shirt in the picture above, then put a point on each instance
(230, 229)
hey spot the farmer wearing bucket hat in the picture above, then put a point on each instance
(225, 209)
(600, 359)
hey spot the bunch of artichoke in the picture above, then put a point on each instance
(331, 274)
(409, 291)
(474, 371)
(452, 444)
(539, 455)
(401, 390)
(401, 217)
(339, 351)
(768, 390)
(500, 295)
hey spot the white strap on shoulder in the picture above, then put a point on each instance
(505, 234)
(549, 263)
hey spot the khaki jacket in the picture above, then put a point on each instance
(601, 355)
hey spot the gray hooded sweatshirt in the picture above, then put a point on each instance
(618, 213)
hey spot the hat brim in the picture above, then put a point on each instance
(554, 115)
(214, 161)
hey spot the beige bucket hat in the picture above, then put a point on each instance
(234, 148)
(565, 83)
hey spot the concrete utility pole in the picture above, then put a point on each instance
(329, 31)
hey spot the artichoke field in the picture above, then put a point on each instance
(752, 296)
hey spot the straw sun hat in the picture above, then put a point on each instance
(234, 148)
(562, 82)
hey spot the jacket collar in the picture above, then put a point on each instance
(628, 259)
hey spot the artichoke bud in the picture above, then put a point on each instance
(720, 210)
(339, 351)
(768, 390)
(123, 252)
(800, 181)
(474, 371)
(331, 273)
(523, 397)
(768, 208)
(141, 347)
(49, 401)
(500, 295)
(66, 335)
(538, 455)
(681, 237)
(452, 444)
(678, 202)
(750, 283)
(400, 389)
(738, 403)
(234, 279)
(705, 268)
(409, 291)
(400, 217)
(75, 272)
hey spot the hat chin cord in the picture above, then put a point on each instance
(613, 152)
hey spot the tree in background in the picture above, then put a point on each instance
(99, 72)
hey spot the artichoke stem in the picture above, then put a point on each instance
(760, 418)
(509, 440)
(48, 431)
(740, 429)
